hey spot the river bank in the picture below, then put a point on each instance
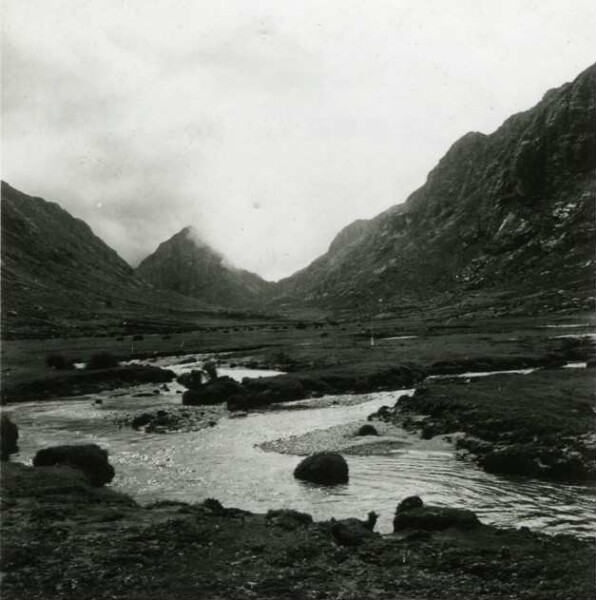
(78, 382)
(538, 424)
(96, 547)
(350, 348)
(63, 539)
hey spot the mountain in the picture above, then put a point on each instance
(58, 276)
(504, 225)
(186, 265)
(504, 222)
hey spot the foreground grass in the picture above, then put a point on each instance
(61, 539)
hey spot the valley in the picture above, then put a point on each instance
(445, 349)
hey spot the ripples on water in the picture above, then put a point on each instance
(222, 462)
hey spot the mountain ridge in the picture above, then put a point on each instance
(504, 222)
(529, 183)
(58, 276)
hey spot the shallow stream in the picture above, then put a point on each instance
(222, 462)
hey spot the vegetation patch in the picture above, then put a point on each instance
(539, 424)
(79, 382)
(62, 538)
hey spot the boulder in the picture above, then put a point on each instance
(411, 513)
(327, 468)
(409, 503)
(213, 392)
(9, 435)
(510, 460)
(383, 414)
(141, 420)
(89, 458)
(192, 380)
(279, 388)
(367, 430)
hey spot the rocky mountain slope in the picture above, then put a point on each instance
(504, 223)
(57, 276)
(186, 265)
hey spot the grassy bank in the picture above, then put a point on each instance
(331, 347)
(540, 424)
(62, 539)
(59, 384)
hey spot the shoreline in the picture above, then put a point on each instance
(546, 433)
(62, 538)
(345, 440)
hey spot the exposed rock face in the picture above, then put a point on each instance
(56, 273)
(89, 458)
(9, 436)
(186, 265)
(327, 468)
(511, 212)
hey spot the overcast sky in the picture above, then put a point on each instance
(268, 125)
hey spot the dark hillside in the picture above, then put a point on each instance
(186, 265)
(59, 278)
(504, 223)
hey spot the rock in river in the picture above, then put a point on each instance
(367, 430)
(328, 468)
(89, 458)
(412, 513)
(213, 392)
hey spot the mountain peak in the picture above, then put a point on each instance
(186, 264)
(190, 233)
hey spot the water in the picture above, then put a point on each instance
(474, 374)
(222, 462)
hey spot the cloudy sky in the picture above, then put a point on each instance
(267, 124)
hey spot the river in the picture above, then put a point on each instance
(223, 462)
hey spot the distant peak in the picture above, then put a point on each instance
(191, 234)
(189, 231)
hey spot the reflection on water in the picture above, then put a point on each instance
(222, 462)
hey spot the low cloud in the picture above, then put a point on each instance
(266, 128)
